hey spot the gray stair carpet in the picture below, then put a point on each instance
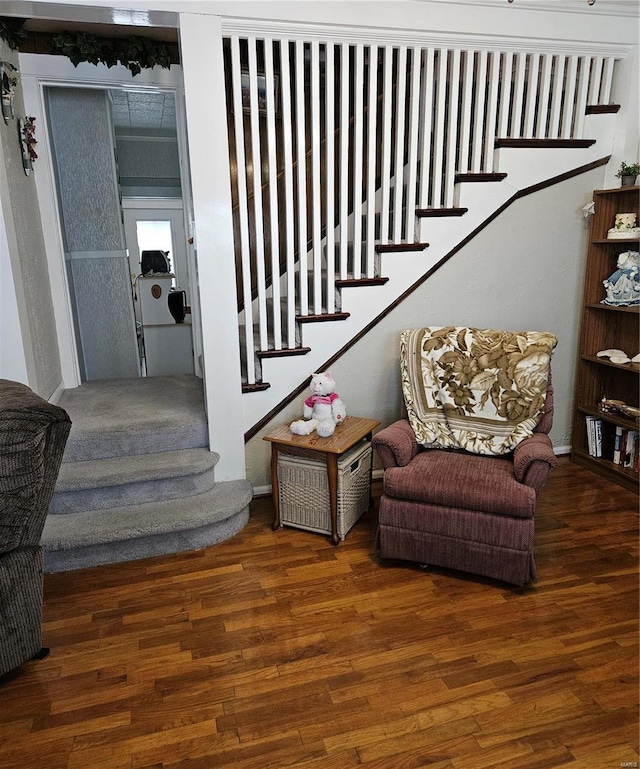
(121, 417)
(138, 478)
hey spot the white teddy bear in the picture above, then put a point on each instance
(323, 409)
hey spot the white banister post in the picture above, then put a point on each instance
(203, 69)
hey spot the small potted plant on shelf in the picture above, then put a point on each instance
(627, 173)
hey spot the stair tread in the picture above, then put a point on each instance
(114, 471)
(104, 424)
(383, 248)
(84, 529)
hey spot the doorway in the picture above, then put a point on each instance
(152, 96)
(158, 225)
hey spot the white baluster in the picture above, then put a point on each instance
(568, 103)
(316, 202)
(301, 158)
(330, 165)
(532, 95)
(287, 148)
(243, 208)
(581, 99)
(505, 95)
(385, 174)
(543, 98)
(607, 79)
(478, 118)
(344, 160)
(556, 97)
(465, 122)
(595, 81)
(518, 103)
(452, 130)
(274, 224)
(492, 109)
(371, 160)
(358, 160)
(412, 157)
(398, 171)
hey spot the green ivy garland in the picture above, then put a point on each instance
(12, 32)
(133, 52)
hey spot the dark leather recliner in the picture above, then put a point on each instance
(33, 435)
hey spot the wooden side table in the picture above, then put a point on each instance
(329, 450)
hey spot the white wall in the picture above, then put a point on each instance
(524, 271)
(26, 312)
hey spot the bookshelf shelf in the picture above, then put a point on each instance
(603, 327)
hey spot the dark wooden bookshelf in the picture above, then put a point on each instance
(605, 327)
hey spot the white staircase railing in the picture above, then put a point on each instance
(320, 131)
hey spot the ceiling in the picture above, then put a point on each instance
(136, 112)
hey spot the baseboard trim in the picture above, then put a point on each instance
(57, 394)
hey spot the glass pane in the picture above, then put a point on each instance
(154, 235)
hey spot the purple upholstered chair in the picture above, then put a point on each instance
(459, 510)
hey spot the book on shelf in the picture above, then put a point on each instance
(630, 448)
(626, 448)
(617, 445)
(598, 430)
(594, 436)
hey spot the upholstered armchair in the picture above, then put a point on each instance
(33, 435)
(462, 510)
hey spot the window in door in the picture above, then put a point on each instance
(155, 235)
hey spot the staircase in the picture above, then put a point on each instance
(402, 267)
(409, 150)
(137, 477)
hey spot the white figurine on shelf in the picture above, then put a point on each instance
(624, 227)
(623, 286)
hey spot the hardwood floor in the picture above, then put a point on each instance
(279, 650)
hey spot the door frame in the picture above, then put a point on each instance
(39, 71)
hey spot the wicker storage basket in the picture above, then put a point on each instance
(304, 490)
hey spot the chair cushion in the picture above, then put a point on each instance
(461, 480)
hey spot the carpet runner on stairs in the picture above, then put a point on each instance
(137, 477)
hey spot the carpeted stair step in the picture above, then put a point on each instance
(117, 418)
(99, 484)
(80, 540)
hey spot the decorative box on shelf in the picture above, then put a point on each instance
(304, 490)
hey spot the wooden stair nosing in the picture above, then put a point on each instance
(255, 387)
(323, 317)
(389, 248)
(601, 109)
(480, 177)
(354, 282)
(424, 212)
(544, 143)
(283, 352)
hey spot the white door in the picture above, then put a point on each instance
(157, 225)
(151, 224)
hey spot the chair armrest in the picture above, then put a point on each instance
(396, 444)
(533, 459)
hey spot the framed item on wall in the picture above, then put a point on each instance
(262, 92)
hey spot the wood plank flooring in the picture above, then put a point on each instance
(276, 649)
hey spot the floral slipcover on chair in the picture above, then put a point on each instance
(463, 469)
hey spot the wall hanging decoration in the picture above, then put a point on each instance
(9, 78)
(27, 137)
